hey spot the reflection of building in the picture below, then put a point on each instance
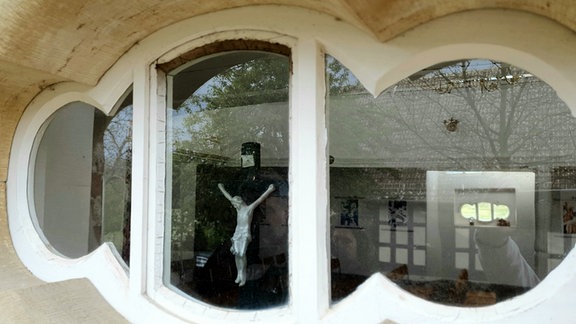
(68, 49)
(387, 167)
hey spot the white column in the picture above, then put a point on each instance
(159, 222)
(309, 266)
(140, 165)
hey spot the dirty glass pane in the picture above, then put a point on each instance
(227, 180)
(82, 179)
(457, 183)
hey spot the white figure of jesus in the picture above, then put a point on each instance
(242, 235)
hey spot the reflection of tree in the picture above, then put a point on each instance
(118, 152)
(505, 112)
(507, 118)
(110, 192)
(261, 80)
(246, 102)
(340, 80)
(118, 143)
(238, 104)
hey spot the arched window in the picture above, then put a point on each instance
(227, 178)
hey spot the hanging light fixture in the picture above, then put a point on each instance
(451, 124)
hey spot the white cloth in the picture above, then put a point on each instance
(501, 259)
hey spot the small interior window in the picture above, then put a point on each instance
(484, 211)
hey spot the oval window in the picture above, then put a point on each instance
(468, 211)
(500, 211)
(82, 179)
(434, 183)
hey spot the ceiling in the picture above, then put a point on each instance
(62, 38)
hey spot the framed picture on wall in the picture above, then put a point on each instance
(349, 213)
(397, 213)
(568, 217)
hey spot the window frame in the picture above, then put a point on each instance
(163, 74)
(138, 293)
(478, 208)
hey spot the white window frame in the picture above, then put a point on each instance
(543, 47)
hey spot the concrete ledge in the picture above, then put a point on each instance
(72, 301)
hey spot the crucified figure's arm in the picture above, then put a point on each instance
(224, 192)
(263, 196)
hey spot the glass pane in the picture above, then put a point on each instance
(463, 175)
(484, 211)
(117, 179)
(82, 179)
(501, 211)
(468, 211)
(227, 180)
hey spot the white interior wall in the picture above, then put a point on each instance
(441, 218)
(63, 177)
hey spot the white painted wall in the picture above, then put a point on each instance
(441, 218)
